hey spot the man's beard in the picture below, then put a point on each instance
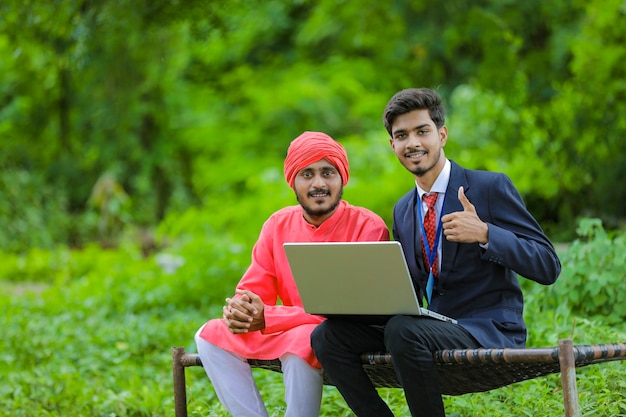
(320, 212)
(420, 172)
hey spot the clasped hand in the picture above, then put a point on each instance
(465, 226)
(245, 313)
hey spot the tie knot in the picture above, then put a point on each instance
(430, 199)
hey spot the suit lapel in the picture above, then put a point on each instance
(451, 205)
(416, 249)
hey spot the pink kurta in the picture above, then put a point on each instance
(287, 326)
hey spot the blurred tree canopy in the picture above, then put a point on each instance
(119, 113)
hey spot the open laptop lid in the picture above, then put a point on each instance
(353, 278)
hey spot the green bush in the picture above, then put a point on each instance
(593, 281)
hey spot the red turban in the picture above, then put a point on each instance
(311, 147)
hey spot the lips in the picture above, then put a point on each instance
(415, 154)
(319, 194)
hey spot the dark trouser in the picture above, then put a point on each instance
(338, 345)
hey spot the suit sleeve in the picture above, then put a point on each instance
(516, 241)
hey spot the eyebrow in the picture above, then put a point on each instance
(322, 168)
(413, 128)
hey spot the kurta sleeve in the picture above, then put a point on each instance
(270, 278)
(261, 275)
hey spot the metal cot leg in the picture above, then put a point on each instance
(180, 390)
(567, 363)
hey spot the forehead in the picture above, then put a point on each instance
(320, 165)
(411, 120)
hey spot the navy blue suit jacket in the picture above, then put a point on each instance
(476, 286)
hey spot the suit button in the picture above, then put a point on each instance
(442, 292)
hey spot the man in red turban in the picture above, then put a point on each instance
(254, 325)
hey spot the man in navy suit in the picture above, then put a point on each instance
(486, 237)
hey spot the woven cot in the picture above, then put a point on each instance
(461, 371)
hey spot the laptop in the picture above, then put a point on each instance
(368, 279)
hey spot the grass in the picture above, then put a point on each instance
(92, 336)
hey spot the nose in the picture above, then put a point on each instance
(413, 140)
(319, 181)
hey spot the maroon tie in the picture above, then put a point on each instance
(430, 226)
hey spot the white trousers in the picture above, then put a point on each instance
(234, 384)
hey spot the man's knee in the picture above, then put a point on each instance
(402, 333)
(318, 339)
(399, 326)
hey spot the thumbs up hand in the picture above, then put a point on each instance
(465, 226)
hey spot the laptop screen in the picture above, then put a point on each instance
(352, 278)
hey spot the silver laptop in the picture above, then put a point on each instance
(354, 279)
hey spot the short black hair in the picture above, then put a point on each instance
(410, 99)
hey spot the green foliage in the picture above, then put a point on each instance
(88, 332)
(32, 212)
(587, 132)
(111, 203)
(593, 277)
(196, 105)
(106, 317)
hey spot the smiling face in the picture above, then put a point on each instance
(418, 144)
(319, 189)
